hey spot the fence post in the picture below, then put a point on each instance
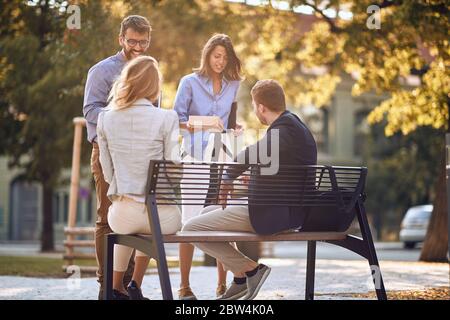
(79, 122)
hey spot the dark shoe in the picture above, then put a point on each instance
(135, 292)
(117, 295)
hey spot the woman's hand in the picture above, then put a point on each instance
(186, 126)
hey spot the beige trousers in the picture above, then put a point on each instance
(127, 216)
(232, 218)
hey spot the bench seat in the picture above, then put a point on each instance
(229, 236)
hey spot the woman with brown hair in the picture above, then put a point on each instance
(209, 91)
(130, 134)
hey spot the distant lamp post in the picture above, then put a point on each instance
(447, 171)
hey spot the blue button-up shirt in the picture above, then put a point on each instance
(99, 82)
(195, 96)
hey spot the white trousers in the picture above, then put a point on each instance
(127, 216)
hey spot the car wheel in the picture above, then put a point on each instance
(409, 245)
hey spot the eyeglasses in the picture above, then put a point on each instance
(133, 42)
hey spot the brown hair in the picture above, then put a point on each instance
(139, 79)
(139, 24)
(232, 70)
(270, 94)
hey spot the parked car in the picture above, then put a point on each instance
(414, 225)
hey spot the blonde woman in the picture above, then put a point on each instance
(130, 134)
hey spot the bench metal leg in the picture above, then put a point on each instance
(372, 255)
(109, 242)
(310, 270)
(164, 278)
(158, 245)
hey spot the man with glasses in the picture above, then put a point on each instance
(134, 38)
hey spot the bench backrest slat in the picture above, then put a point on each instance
(297, 186)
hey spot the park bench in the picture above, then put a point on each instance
(333, 196)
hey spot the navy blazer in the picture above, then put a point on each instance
(296, 147)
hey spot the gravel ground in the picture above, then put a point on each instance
(286, 281)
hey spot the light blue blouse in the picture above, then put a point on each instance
(195, 96)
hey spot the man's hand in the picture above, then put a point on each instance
(225, 188)
(246, 180)
(238, 130)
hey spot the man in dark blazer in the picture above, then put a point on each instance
(295, 144)
(287, 142)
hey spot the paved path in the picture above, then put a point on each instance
(389, 251)
(286, 281)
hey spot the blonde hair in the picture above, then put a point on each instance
(139, 79)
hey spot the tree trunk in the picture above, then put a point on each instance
(47, 243)
(436, 241)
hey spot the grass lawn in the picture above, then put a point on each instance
(52, 267)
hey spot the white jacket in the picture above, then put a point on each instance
(128, 139)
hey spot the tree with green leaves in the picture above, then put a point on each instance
(411, 38)
(42, 89)
(29, 31)
(43, 68)
(405, 163)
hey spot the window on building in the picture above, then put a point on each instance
(24, 223)
(66, 207)
(80, 210)
(317, 120)
(56, 208)
(362, 129)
